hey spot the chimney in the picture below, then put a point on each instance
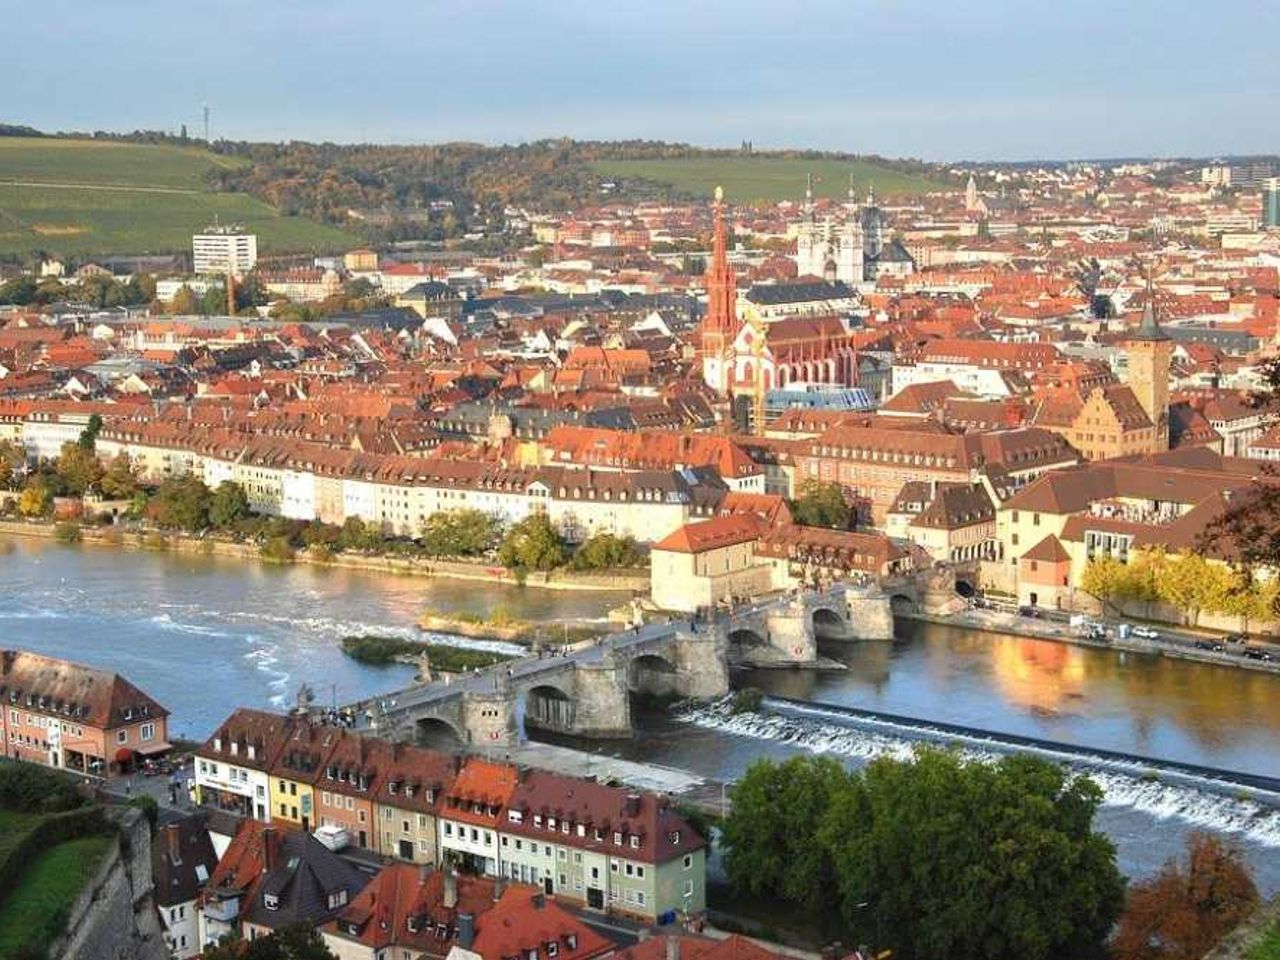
(466, 930)
(450, 896)
(539, 901)
(632, 806)
(173, 838)
(673, 947)
(498, 886)
(268, 849)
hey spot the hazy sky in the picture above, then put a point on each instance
(940, 79)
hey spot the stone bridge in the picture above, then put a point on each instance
(587, 691)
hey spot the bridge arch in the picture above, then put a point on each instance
(903, 603)
(746, 637)
(651, 673)
(828, 623)
(437, 732)
(547, 707)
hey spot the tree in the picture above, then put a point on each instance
(184, 302)
(532, 544)
(605, 551)
(771, 840)
(12, 458)
(1184, 910)
(298, 942)
(460, 533)
(228, 504)
(119, 480)
(1192, 584)
(89, 435)
(822, 505)
(78, 469)
(181, 503)
(951, 859)
(20, 291)
(36, 499)
(356, 535)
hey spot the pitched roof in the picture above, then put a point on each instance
(1048, 550)
(524, 922)
(711, 534)
(95, 697)
(182, 860)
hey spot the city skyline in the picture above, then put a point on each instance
(893, 77)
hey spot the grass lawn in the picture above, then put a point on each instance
(12, 826)
(1268, 946)
(95, 197)
(106, 162)
(767, 179)
(48, 888)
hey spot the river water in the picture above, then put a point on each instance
(205, 635)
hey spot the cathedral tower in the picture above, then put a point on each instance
(720, 325)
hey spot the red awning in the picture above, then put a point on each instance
(124, 755)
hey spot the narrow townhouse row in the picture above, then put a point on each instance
(605, 847)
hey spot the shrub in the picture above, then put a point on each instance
(747, 700)
(277, 550)
(68, 532)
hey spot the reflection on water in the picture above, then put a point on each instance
(1148, 705)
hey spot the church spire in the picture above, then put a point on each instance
(808, 195)
(721, 282)
(853, 193)
(1149, 328)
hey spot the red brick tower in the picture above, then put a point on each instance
(720, 325)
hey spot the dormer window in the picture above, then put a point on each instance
(217, 743)
(271, 901)
(675, 838)
(617, 839)
(337, 899)
(571, 941)
(635, 842)
(551, 823)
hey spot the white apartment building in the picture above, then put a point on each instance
(219, 249)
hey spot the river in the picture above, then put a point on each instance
(205, 635)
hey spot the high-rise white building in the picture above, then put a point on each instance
(220, 249)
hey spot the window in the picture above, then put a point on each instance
(122, 736)
(688, 888)
(688, 861)
(271, 901)
(148, 731)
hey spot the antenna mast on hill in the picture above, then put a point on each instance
(205, 107)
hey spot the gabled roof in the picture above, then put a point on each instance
(303, 876)
(182, 860)
(524, 921)
(1048, 550)
(711, 534)
(92, 696)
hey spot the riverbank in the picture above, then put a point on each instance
(991, 621)
(144, 539)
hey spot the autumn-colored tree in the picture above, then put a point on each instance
(184, 302)
(1186, 908)
(78, 469)
(36, 498)
(1193, 584)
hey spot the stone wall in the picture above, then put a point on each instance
(870, 615)
(115, 917)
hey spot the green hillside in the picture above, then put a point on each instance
(769, 179)
(90, 197)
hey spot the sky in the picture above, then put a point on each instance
(936, 79)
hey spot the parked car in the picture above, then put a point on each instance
(1257, 653)
(1146, 633)
(1214, 645)
(1235, 638)
(1032, 612)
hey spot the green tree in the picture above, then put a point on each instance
(532, 544)
(119, 480)
(822, 504)
(78, 469)
(20, 291)
(228, 504)
(181, 503)
(460, 533)
(605, 551)
(36, 499)
(950, 859)
(89, 435)
(771, 840)
(357, 535)
(299, 942)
